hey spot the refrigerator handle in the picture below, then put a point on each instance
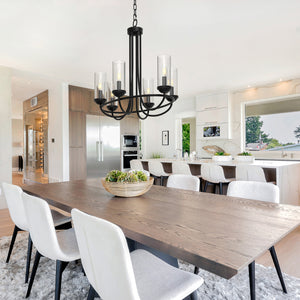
(101, 151)
(98, 151)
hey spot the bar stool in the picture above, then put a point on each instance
(213, 174)
(136, 165)
(179, 167)
(250, 173)
(114, 273)
(157, 171)
(261, 191)
(13, 196)
(184, 182)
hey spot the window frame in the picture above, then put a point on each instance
(291, 155)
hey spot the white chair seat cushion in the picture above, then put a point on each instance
(155, 279)
(59, 219)
(68, 245)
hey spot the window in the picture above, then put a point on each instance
(273, 126)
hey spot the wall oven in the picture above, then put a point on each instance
(129, 141)
(126, 157)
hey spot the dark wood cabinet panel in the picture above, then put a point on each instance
(77, 127)
(77, 163)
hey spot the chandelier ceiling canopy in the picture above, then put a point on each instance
(114, 101)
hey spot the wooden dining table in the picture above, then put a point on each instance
(217, 233)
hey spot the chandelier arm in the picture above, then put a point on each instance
(170, 106)
(139, 111)
(133, 97)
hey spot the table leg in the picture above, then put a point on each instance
(277, 266)
(252, 280)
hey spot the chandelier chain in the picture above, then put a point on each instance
(135, 21)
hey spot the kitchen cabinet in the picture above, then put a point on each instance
(213, 110)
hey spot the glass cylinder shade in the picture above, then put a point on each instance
(99, 85)
(110, 97)
(118, 75)
(174, 82)
(163, 70)
(148, 88)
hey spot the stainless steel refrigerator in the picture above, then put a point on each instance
(102, 145)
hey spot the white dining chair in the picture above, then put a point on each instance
(213, 174)
(114, 273)
(13, 196)
(136, 165)
(60, 246)
(184, 182)
(261, 191)
(157, 171)
(245, 172)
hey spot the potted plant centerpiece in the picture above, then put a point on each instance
(127, 184)
(245, 157)
(222, 156)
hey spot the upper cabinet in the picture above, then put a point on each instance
(213, 116)
(211, 101)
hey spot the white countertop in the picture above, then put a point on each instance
(261, 163)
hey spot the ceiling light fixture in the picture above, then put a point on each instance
(142, 99)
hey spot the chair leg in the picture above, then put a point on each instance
(35, 266)
(13, 239)
(196, 270)
(161, 180)
(92, 293)
(215, 188)
(201, 181)
(220, 188)
(252, 280)
(60, 266)
(206, 185)
(277, 267)
(29, 250)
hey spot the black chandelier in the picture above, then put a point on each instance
(142, 100)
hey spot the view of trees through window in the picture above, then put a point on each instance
(273, 132)
(186, 138)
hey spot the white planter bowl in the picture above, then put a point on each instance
(244, 158)
(218, 158)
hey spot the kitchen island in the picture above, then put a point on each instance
(286, 174)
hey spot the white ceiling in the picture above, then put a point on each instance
(215, 44)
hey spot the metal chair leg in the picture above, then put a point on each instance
(277, 267)
(251, 268)
(196, 270)
(92, 293)
(206, 185)
(35, 266)
(29, 250)
(220, 188)
(201, 182)
(13, 239)
(161, 180)
(215, 188)
(60, 267)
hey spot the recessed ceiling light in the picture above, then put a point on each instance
(249, 85)
(280, 79)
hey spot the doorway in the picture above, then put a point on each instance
(36, 145)
(188, 135)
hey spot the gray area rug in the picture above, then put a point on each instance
(75, 285)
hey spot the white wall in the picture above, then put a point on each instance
(5, 129)
(152, 129)
(59, 131)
